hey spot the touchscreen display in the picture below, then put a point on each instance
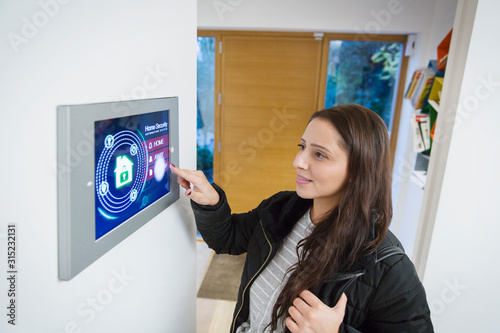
(131, 167)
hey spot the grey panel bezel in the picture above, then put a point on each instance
(77, 246)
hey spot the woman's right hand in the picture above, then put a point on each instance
(197, 186)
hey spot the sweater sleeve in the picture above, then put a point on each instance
(222, 231)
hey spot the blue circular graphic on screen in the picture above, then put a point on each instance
(133, 150)
(133, 195)
(125, 158)
(109, 141)
(103, 188)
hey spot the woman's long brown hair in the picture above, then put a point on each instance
(350, 231)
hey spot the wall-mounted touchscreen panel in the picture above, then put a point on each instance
(131, 167)
(113, 174)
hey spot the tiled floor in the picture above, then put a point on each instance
(212, 316)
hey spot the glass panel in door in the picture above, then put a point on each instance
(205, 105)
(366, 73)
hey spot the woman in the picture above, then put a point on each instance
(313, 256)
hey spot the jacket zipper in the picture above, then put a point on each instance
(346, 276)
(253, 277)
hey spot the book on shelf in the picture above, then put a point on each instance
(423, 87)
(411, 87)
(442, 51)
(407, 93)
(420, 124)
(423, 92)
(433, 64)
(420, 86)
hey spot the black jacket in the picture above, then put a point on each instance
(382, 297)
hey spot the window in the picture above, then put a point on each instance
(205, 105)
(365, 73)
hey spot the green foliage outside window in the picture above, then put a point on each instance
(364, 73)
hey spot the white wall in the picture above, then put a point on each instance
(70, 52)
(462, 268)
(362, 16)
(407, 195)
(430, 20)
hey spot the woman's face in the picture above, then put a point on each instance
(321, 164)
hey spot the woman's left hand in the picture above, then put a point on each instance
(309, 315)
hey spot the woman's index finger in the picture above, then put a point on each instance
(188, 175)
(310, 298)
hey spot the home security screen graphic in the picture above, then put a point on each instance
(132, 167)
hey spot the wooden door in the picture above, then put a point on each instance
(269, 90)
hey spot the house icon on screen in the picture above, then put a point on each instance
(123, 171)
